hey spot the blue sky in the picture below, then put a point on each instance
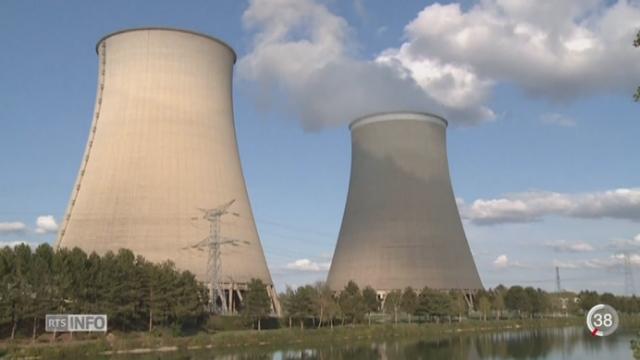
(542, 144)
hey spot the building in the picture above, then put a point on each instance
(401, 225)
(161, 150)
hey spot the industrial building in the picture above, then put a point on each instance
(161, 173)
(401, 225)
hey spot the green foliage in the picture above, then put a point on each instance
(538, 300)
(352, 303)
(370, 299)
(457, 304)
(134, 293)
(409, 301)
(433, 303)
(515, 299)
(484, 305)
(588, 299)
(257, 303)
(301, 305)
(326, 306)
(392, 304)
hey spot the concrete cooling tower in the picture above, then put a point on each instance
(161, 151)
(401, 225)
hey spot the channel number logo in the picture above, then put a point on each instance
(602, 320)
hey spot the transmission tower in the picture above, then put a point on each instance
(212, 244)
(629, 281)
(558, 287)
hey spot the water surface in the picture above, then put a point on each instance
(540, 344)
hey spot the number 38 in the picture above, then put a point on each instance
(600, 320)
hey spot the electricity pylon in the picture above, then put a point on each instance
(629, 281)
(212, 244)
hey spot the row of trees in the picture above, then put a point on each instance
(319, 305)
(140, 295)
(134, 293)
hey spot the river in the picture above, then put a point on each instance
(542, 344)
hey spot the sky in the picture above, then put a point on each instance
(542, 141)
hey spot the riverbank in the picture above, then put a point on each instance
(225, 341)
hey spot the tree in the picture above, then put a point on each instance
(21, 288)
(498, 300)
(609, 299)
(10, 290)
(392, 304)
(42, 287)
(286, 299)
(484, 306)
(325, 304)
(588, 299)
(257, 303)
(134, 293)
(457, 304)
(371, 302)
(434, 303)
(302, 303)
(539, 301)
(516, 299)
(636, 43)
(351, 302)
(409, 302)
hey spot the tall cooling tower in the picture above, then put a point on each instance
(162, 147)
(401, 225)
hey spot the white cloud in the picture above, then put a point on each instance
(449, 62)
(503, 262)
(46, 224)
(12, 227)
(570, 247)
(558, 119)
(625, 244)
(304, 53)
(307, 265)
(534, 205)
(553, 49)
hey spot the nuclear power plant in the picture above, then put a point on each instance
(161, 173)
(401, 225)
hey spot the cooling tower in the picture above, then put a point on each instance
(401, 225)
(162, 147)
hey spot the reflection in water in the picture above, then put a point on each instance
(547, 344)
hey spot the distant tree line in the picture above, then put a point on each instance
(317, 305)
(134, 293)
(138, 295)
